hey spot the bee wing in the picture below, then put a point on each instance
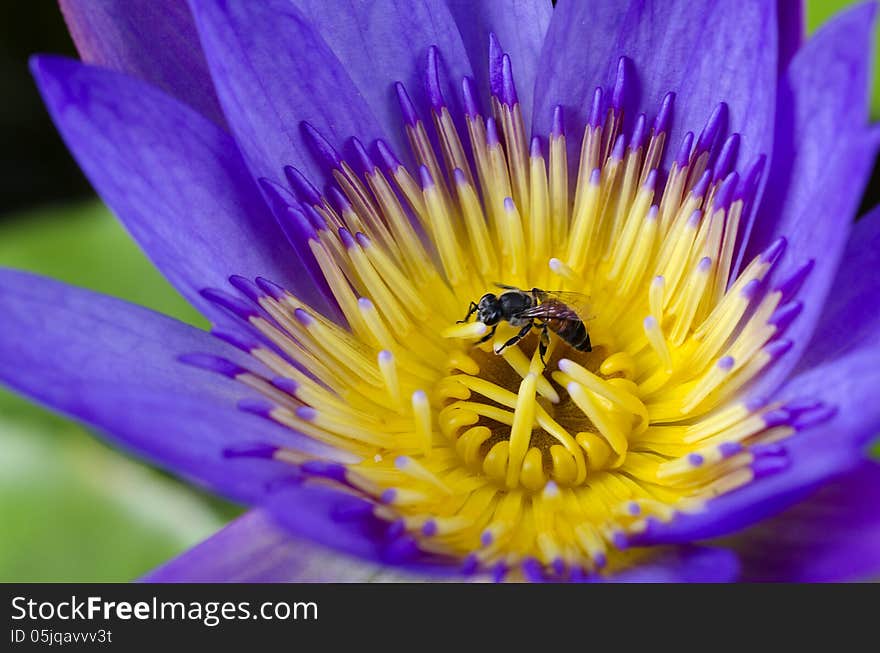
(568, 305)
(551, 309)
(577, 302)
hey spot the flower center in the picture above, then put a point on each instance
(519, 441)
(553, 444)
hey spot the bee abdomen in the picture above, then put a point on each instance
(575, 334)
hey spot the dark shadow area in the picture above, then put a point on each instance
(36, 167)
(871, 196)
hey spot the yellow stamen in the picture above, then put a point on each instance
(422, 414)
(521, 429)
(556, 446)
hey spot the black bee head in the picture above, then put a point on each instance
(489, 309)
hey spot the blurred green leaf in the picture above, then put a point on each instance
(819, 11)
(72, 508)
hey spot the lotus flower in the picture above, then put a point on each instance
(666, 188)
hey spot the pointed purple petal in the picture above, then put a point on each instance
(273, 71)
(115, 366)
(832, 536)
(175, 179)
(850, 318)
(705, 52)
(386, 41)
(256, 549)
(821, 161)
(154, 40)
(520, 27)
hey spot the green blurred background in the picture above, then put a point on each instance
(71, 507)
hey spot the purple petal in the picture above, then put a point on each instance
(809, 458)
(346, 523)
(174, 178)
(154, 40)
(519, 25)
(256, 549)
(686, 564)
(850, 318)
(792, 30)
(705, 52)
(386, 41)
(272, 71)
(114, 366)
(822, 159)
(832, 536)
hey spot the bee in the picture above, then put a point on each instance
(546, 310)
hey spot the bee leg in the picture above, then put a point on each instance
(544, 342)
(471, 310)
(488, 336)
(515, 339)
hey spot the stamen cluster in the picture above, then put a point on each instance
(502, 459)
